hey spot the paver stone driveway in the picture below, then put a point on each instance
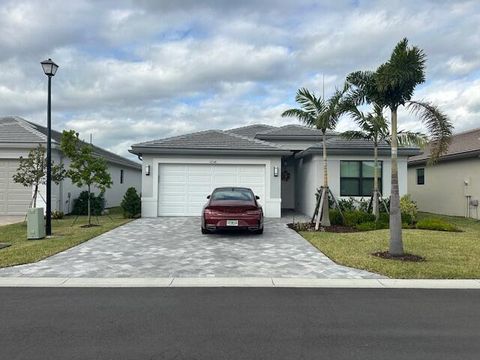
(174, 247)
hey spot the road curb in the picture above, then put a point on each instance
(238, 282)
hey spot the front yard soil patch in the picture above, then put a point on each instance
(405, 257)
(311, 227)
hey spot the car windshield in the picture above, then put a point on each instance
(232, 194)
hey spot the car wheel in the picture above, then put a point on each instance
(259, 231)
(205, 231)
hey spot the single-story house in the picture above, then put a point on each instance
(283, 165)
(18, 136)
(451, 186)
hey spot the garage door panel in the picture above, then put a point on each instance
(173, 198)
(172, 179)
(199, 179)
(173, 187)
(196, 181)
(14, 198)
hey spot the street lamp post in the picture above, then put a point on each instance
(49, 68)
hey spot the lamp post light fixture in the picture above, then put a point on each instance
(49, 68)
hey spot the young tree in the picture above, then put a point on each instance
(316, 112)
(374, 127)
(393, 85)
(31, 171)
(85, 167)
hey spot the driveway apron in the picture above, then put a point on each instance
(174, 247)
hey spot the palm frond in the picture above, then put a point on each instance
(300, 114)
(397, 78)
(438, 125)
(309, 101)
(354, 134)
(412, 138)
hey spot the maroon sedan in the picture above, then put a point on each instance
(232, 208)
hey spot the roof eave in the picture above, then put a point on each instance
(464, 155)
(291, 137)
(356, 151)
(138, 150)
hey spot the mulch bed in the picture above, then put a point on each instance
(404, 257)
(89, 226)
(311, 227)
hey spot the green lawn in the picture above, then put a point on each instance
(23, 251)
(449, 255)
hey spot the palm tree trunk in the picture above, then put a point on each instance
(376, 211)
(325, 220)
(396, 243)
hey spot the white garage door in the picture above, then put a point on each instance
(14, 198)
(183, 188)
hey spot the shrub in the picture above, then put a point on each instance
(407, 219)
(301, 226)
(346, 204)
(80, 205)
(363, 205)
(371, 225)
(436, 224)
(335, 217)
(331, 203)
(57, 215)
(384, 217)
(409, 210)
(384, 202)
(131, 203)
(355, 217)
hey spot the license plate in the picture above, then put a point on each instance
(232, 222)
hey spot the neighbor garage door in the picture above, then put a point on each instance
(183, 188)
(14, 198)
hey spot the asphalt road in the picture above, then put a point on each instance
(238, 323)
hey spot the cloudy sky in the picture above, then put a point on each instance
(132, 71)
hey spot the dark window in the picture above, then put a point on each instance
(232, 194)
(421, 176)
(121, 176)
(357, 177)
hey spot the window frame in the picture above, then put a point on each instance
(361, 178)
(418, 176)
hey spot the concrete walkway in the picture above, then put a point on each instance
(239, 282)
(175, 248)
(11, 219)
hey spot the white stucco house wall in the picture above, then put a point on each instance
(282, 165)
(18, 136)
(451, 186)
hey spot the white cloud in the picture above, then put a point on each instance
(131, 71)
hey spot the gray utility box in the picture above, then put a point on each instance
(35, 224)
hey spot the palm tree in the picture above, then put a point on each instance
(392, 85)
(374, 127)
(316, 112)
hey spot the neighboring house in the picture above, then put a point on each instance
(19, 136)
(452, 185)
(283, 165)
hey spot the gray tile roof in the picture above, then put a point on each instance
(251, 130)
(210, 140)
(462, 145)
(292, 130)
(340, 145)
(15, 130)
(339, 142)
